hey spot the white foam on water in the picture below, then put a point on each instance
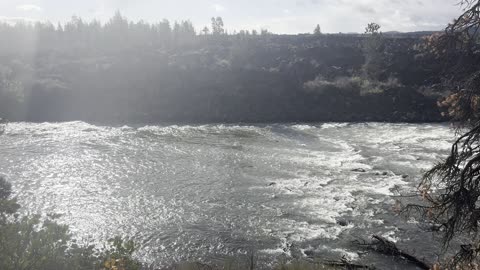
(68, 128)
(349, 255)
(314, 187)
(334, 125)
(327, 188)
(345, 160)
(299, 231)
(283, 248)
(303, 127)
(390, 235)
(390, 135)
(381, 185)
(272, 251)
(207, 130)
(328, 206)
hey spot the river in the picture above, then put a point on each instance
(210, 192)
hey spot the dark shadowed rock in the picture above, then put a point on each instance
(342, 222)
(308, 253)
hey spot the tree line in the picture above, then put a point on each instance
(116, 32)
(123, 71)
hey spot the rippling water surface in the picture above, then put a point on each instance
(213, 191)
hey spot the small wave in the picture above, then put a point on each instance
(352, 256)
(207, 130)
(303, 127)
(296, 184)
(334, 125)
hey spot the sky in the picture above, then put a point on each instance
(278, 16)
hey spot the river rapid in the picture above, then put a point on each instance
(210, 192)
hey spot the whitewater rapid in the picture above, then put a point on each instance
(213, 191)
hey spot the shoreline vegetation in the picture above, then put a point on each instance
(40, 243)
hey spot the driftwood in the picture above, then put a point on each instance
(346, 264)
(384, 246)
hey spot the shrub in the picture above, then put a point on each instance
(350, 85)
(33, 243)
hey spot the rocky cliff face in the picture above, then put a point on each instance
(220, 79)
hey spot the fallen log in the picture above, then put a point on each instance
(346, 264)
(384, 246)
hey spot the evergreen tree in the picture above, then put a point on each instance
(205, 31)
(217, 26)
(374, 50)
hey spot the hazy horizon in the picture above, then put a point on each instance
(277, 16)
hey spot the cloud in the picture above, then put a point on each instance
(218, 7)
(364, 9)
(29, 7)
(400, 15)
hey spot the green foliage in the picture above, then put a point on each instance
(8, 206)
(205, 31)
(372, 29)
(374, 51)
(29, 243)
(35, 243)
(351, 85)
(119, 255)
(264, 32)
(218, 26)
(12, 94)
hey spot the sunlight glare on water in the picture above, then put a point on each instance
(206, 192)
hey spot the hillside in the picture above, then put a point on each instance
(124, 72)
